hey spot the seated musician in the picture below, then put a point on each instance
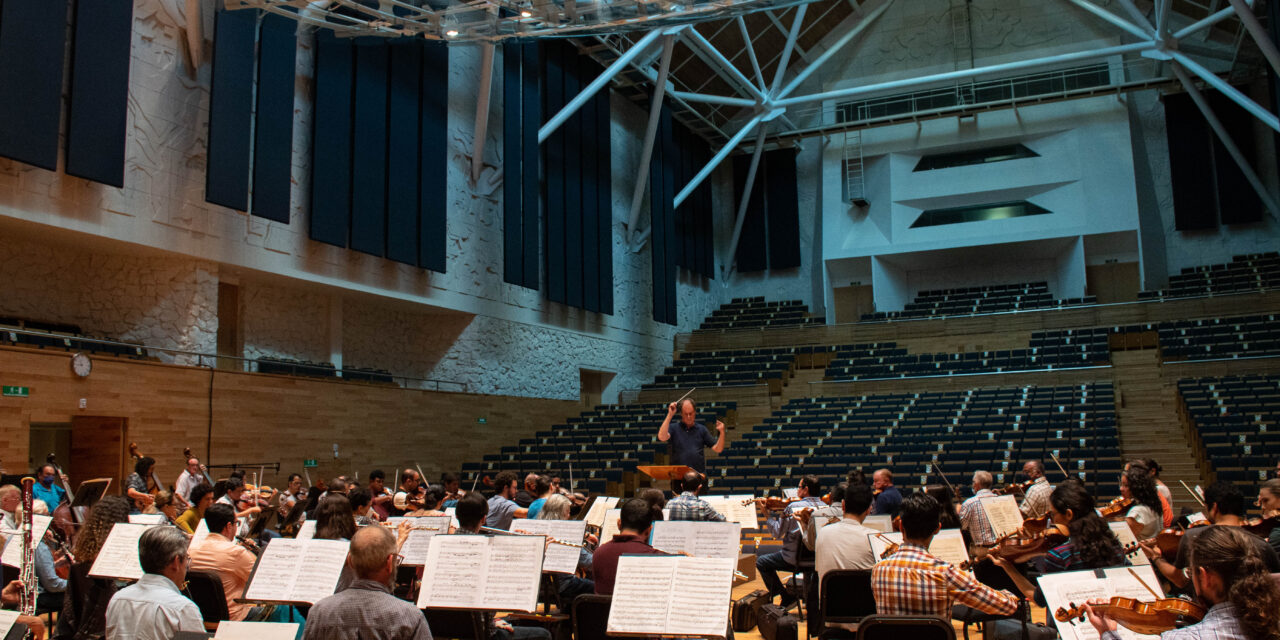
(50, 585)
(784, 527)
(11, 598)
(973, 518)
(381, 495)
(828, 513)
(10, 500)
(844, 544)
(366, 609)
(1224, 506)
(167, 505)
(220, 554)
(432, 502)
(528, 492)
(1162, 489)
(1091, 544)
(1269, 502)
(405, 498)
(914, 582)
(635, 519)
(46, 487)
(153, 607)
(85, 603)
(1232, 580)
(888, 498)
(362, 506)
(1035, 502)
(502, 510)
(190, 477)
(542, 491)
(1144, 517)
(291, 495)
(472, 511)
(557, 507)
(687, 505)
(452, 488)
(201, 500)
(232, 498)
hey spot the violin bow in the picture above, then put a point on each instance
(1193, 493)
(1144, 584)
(1060, 467)
(941, 474)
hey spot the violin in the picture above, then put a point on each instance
(772, 503)
(1168, 540)
(1115, 507)
(1015, 489)
(1148, 618)
(1262, 527)
(889, 550)
(1035, 525)
(1021, 546)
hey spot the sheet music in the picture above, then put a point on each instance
(596, 513)
(1125, 535)
(147, 518)
(13, 540)
(418, 544)
(1076, 587)
(297, 570)
(7, 620)
(202, 532)
(879, 523)
(947, 545)
(610, 527)
(240, 630)
(119, 555)
(307, 531)
(559, 558)
(791, 492)
(733, 510)
(694, 599)
(483, 572)
(698, 539)
(452, 512)
(1002, 513)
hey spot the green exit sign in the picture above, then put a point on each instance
(16, 392)
(482, 420)
(309, 463)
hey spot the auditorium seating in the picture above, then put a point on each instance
(1244, 274)
(68, 337)
(728, 368)
(756, 313)
(1237, 419)
(1000, 298)
(289, 367)
(1067, 348)
(992, 429)
(601, 444)
(1216, 338)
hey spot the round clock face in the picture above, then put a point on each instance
(81, 365)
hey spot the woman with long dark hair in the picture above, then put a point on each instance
(334, 518)
(1232, 580)
(84, 607)
(950, 518)
(1144, 517)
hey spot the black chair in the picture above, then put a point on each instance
(591, 617)
(205, 589)
(886, 627)
(845, 598)
(456, 623)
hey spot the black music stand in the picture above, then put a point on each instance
(90, 492)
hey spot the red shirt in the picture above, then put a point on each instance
(604, 562)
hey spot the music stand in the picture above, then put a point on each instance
(261, 523)
(296, 514)
(90, 492)
(665, 472)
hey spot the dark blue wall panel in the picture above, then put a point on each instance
(369, 150)
(572, 173)
(273, 129)
(783, 209)
(331, 141)
(554, 156)
(604, 197)
(433, 222)
(98, 108)
(403, 141)
(752, 254)
(32, 45)
(512, 185)
(662, 191)
(230, 109)
(590, 172)
(531, 161)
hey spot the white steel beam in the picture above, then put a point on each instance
(1259, 33)
(751, 52)
(1213, 19)
(1225, 87)
(835, 48)
(600, 81)
(1137, 31)
(482, 111)
(1162, 16)
(693, 37)
(650, 133)
(713, 99)
(719, 157)
(746, 196)
(1227, 142)
(1139, 18)
(781, 70)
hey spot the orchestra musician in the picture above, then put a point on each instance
(220, 554)
(914, 582)
(381, 496)
(689, 437)
(10, 501)
(635, 519)
(1269, 501)
(1164, 507)
(452, 488)
(51, 586)
(406, 498)
(812, 520)
(293, 492)
(1232, 580)
(191, 476)
(201, 500)
(1035, 501)
(687, 505)
(785, 527)
(528, 492)
(1144, 516)
(1166, 496)
(432, 502)
(1224, 506)
(153, 607)
(367, 609)
(557, 507)
(46, 487)
(542, 490)
(84, 606)
(973, 518)
(888, 498)
(166, 505)
(472, 512)
(362, 506)
(501, 509)
(11, 598)
(135, 485)
(947, 501)
(844, 544)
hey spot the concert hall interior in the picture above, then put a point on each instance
(747, 317)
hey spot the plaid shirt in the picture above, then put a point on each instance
(912, 582)
(974, 518)
(1220, 623)
(687, 506)
(1036, 502)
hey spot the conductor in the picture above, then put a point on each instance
(688, 437)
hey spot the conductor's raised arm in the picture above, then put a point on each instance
(719, 445)
(664, 432)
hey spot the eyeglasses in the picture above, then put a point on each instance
(397, 559)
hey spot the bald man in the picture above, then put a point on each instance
(688, 437)
(888, 498)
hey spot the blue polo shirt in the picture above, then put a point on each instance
(687, 444)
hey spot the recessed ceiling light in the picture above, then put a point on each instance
(526, 14)
(451, 33)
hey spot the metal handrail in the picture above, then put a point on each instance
(209, 360)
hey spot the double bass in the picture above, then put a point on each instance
(155, 487)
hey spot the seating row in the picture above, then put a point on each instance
(1245, 273)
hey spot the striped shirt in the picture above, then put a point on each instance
(973, 518)
(913, 582)
(687, 506)
(1036, 502)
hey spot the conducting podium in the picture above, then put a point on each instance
(664, 472)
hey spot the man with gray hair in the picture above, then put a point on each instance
(367, 609)
(688, 437)
(153, 608)
(972, 516)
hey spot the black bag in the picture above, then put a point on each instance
(776, 624)
(746, 610)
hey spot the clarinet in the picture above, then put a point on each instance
(27, 606)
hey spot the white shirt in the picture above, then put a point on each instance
(151, 609)
(242, 524)
(1147, 519)
(187, 482)
(844, 545)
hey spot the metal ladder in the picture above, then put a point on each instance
(854, 184)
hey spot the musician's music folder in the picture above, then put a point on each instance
(671, 596)
(292, 571)
(494, 573)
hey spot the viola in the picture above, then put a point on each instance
(1115, 507)
(772, 503)
(1148, 618)
(1014, 488)
(1022, 546)
(889, 550)
(1262, 527)
(1036, 525)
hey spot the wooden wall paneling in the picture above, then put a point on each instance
(99, 449)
